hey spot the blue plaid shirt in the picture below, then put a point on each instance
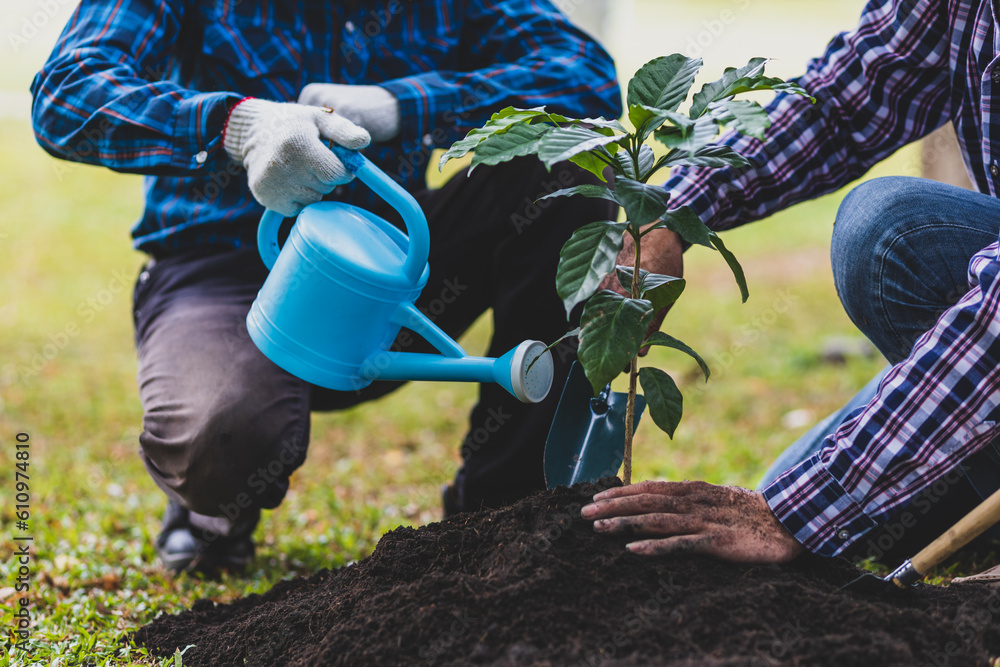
(145, 86)
(909, 67)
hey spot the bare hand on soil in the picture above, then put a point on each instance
(726, 522)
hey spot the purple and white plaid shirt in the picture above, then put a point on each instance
(909, 67)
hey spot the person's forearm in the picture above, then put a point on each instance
(97, 99)
(931, 412)
(517, 56)
(873, 98)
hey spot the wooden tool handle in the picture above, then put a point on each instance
(971, 526)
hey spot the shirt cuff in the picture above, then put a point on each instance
(198, 125)
(812, 505)
(419, 105)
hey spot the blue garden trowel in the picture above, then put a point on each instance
(587, 438)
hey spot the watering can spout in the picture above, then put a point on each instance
(526, 372)
(346, 282)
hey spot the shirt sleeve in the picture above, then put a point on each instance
(101, 97)
(931, 411)
(878, 88)
(522, 53)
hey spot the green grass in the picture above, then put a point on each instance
(66, 286)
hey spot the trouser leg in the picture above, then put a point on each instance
(223, 427)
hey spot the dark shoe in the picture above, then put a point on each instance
(186, 548)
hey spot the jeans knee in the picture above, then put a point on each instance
(870, 219)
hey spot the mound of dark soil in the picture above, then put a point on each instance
(533, 585)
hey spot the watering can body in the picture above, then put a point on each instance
(344, 284)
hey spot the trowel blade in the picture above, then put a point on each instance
(587, 439)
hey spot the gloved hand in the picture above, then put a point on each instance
(280, 144)
(372, 107)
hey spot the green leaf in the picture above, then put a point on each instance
(744, 116)
(587, 190)
(690, 136)
(734, 265)
(663, 398)
(658, 289)
(664, 82)
(612, 329)
(566, 142)
(590, 162)
(509, 112)
(643, 203)
(686, 222)
(601, 122)
(708, 156)
(517, 141)
(744, 79)
(723, 87)
(646, 161)
(662, 290)
(463, 147)
(589, 255)
(499, 122)
(645, 119)
(660, 338)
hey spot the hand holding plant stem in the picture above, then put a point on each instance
(613, 327)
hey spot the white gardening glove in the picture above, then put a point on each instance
(372, 107)
(280, 144)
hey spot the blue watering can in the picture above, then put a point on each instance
(344, 284)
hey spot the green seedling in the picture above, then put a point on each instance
(614, 327)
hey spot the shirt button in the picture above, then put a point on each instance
(201, 157)
(843, 533)
(144, 276)
(995, 170)
(428, 140)
(349, 26)
(995, 75)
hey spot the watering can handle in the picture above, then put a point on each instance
(384, 187)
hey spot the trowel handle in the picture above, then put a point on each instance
(971, 526)
(399, 199)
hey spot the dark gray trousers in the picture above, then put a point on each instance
(223, 427)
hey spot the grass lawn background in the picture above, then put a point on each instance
(67, 364)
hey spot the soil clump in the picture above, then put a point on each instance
(532, 584)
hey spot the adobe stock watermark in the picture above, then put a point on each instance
(641, 617)
(376, 21)
(750, 332)
(31, 364)
(42, 13)
(971, 625)
(432, 651)
(451, 290)
(895, 530)
(713, 29)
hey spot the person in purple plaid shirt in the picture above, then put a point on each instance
(227, 106)
(917, 267)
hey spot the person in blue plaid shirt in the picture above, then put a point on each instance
(225, 106)
(917, 267)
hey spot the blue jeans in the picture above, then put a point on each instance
(900, 254)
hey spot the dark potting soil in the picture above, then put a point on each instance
(532, 584)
